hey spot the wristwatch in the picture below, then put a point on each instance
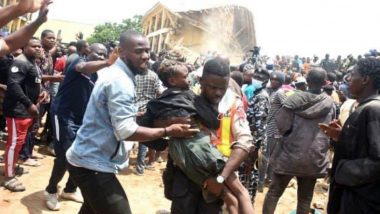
(220, 179)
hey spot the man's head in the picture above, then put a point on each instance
(173, 74)
(261, 75)
(277, 78)
(365, 76)
(71, 49)
(248, 72)
(300, 83)
(47, 39)
(238, 77)
(316, 78)
(327, 56)
(134, 51)
(97, 52)
(214, 80)
(83, 48)
(33, 49)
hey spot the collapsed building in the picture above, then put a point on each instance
(228, 30)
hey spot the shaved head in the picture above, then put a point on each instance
(316, 77)
(97, 46)
(97, 52)
(127, 36)
(134, 51)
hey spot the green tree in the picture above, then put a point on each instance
(108, 32)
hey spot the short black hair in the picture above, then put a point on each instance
(32, 38)
(80, 44)
(169, 68)
(288, 79)
(241, 67)
(370, 67)
(216, 66)
(331, 76)
(126, 35)
(317, 76)
(72, 44)
(46, 32)
(238, 77)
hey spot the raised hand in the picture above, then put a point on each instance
(31, 6)
(44, 10)
(113, 56)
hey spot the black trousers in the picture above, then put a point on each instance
(102, 192)
(305, 191)
(65, 131)
(187, 196)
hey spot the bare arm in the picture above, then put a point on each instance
(22, 36)
(91, 67)
(148, 134)
(51, 78)
(11, 12)
(238, 155)
(94, 66)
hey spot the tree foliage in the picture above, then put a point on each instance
(109, 32)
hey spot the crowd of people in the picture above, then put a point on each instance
(230, 130)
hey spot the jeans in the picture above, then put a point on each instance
(65, 134)
(280, 182)
(265, 169)
(102, 192)
(143, 150)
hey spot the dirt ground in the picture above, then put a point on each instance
(145, 193)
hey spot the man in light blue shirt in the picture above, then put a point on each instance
(98, 151)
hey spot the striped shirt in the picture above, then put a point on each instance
(276, 100)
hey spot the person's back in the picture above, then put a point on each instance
(304, 148)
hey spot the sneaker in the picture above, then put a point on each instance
(14, 185)
(137, 172)
(72, 196)
(52, 201)
(30, 162)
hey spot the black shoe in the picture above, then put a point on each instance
(20, 171)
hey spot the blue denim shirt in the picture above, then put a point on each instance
(109, 119)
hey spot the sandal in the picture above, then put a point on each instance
(30, 162)
(14, 185)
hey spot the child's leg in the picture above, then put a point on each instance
(241, 193)
(231, 201)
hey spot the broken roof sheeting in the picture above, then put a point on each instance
(242, 31)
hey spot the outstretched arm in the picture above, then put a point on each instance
(19, 38)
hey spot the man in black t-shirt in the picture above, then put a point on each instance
(68, 109)
(22, 97)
